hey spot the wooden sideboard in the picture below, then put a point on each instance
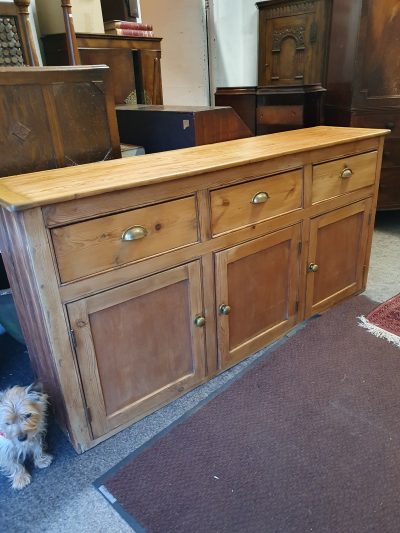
(138, 279)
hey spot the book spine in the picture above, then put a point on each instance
(122, 25)
(130, 33)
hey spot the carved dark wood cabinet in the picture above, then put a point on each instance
(292, 41)
(363, 79)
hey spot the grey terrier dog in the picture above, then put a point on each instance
(22, 431)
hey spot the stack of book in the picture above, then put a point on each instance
(128, 29)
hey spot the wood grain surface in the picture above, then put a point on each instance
(50, 187)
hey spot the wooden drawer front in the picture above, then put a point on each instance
(96, 245)
(280, 114)
(232, 207)
(343, 176)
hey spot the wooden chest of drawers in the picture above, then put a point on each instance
(132, 291)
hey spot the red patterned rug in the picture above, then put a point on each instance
(384, 320)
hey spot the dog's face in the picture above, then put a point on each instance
(22, 413)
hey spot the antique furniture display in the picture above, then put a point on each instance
(160, 128)
(67, 117)
(137, 279)
(17, 47)
(141, 70)
(363, 87)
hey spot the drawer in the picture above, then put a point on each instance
(343, 176)
(104, 243)
(291, 115)
(238, 206)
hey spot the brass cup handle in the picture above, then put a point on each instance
(346, 173)
(199, 321)
(224, 309)
(260, 198)
(134, 233)
(312, 267)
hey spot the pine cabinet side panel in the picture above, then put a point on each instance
(31, 272)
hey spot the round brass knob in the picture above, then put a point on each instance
(224, 309)
(134, 233)
(312, 267)
(199, 321)
(260, 198)
(347, 173)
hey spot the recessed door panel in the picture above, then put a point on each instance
(137, 345)
(336, 255)
(256, 293)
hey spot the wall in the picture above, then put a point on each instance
(233, 31)
(87, 16)
(181, 24)
(232, 35)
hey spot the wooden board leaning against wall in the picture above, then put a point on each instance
(134, 290)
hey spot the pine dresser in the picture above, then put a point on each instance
(138, 279)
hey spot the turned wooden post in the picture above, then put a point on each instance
(29, 49)
(72, 47)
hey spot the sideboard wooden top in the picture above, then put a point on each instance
(53, 186)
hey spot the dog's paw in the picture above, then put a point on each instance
(44, 460)
(21, 480)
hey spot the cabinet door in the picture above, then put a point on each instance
(137, 345)
(291, 46)
(337, 255)
(257, 285)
